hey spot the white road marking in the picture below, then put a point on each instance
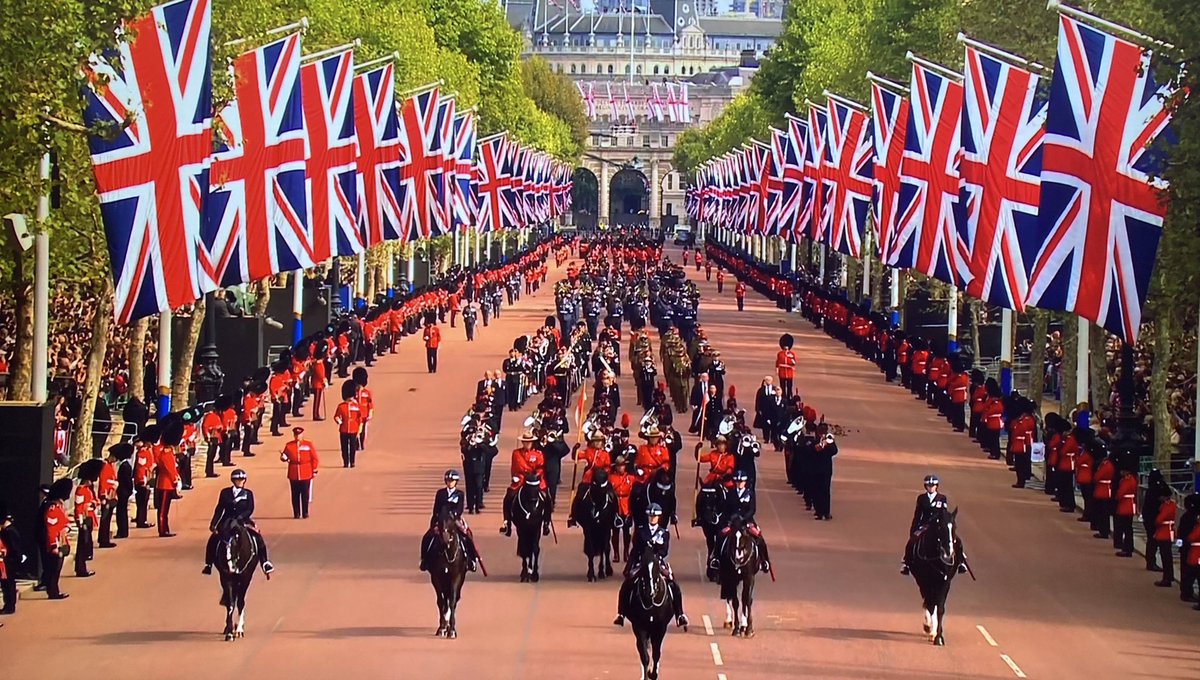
(721, 676)
(986, 636)
(277, 624)
(708, 629)
(1013, 665)
(716, 653)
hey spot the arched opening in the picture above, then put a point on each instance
(629, 198)
(585, 198)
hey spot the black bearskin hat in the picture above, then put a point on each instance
(89, 470)
(172, 432)
(349, 389)
(786, 341)
(150, 434)
(121, 451)
(62, 489)
(360, 376)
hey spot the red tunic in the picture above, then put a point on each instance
(525, 461)
(348, 417)
(785, 363)
(721, 465)
(594, 459)
(302, 460)
(651, 459)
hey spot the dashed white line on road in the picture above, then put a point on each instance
(716, 654)
(1013, 665)
(986, 636)
(722, 676)
(708, 629)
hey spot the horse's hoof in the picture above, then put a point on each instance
(601, 575)
(524, 578)
(591, 578)
(728, 624)
(926, 628)
(608, 571)
(453, 635)
(748, 632)
(535, 577)
(939, 641)
(229, 637)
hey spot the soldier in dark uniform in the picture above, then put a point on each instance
(591, 313)
(646, 375)
(740, 501)
(566, 311)
(452, 499)
(824, 450)
(470, 317)
(235, 506)
(927, 503)
(514, 370)
(653, 532)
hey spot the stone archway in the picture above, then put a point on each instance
(629, 198)
(585, 198)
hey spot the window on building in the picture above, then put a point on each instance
(667, 70)
(626, 69)
(639, 69)
(646, 141)
(666, 140)
(610, 69)
(629, 140)
(656, 69)
(572, 68)
(670, 181)
(669, 209)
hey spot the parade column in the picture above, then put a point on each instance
(1006, 351)
(602, 209)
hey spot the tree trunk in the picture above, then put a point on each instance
(137, 358)
(185, 359)
(1160, 406)
(20, 381)
(1070, 365)
(1101, 389)
(81, 438)
(1037, 357)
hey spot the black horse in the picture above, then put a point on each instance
(447, 563)
(934, 555)
(531, 515)
(710, 517)
(237, 560)
(596, 515)
(649, 609)
(739, 564)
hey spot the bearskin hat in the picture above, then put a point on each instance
(786, 341)
(89, 470)
(550, 321)
(62, 489)
(349, 389)
(121, 451)
(149, 434)
(223, 402)
(172, 432)
(359, 376)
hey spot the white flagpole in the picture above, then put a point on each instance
(1081, 360)
(1055, 5)
(933, 67)
(998, 53)
(164, 363)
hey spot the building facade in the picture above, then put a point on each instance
(626, 62)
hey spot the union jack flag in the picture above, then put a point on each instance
(494, 212)
(927, 235)
(889, 121)
(333, 159)
(152, 176)
(446, 114)
(464, 154)
(259, 194)
(378, 129)
(1101, 208)
(422, 173)
(813, 210)
(794, 178)
(786, 182)
(1002, 137)
(852, 161)
(767, 186)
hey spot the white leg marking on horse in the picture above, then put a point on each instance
(728, 612)
(1013, 665)
(241, 628)
(743, 618)
(986, 636)
(925, 612)
(933, 623)
(708, 629)
(716, 654)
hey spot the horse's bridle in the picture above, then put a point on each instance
(740, 564)
(657, 595)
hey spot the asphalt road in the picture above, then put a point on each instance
(347, 599)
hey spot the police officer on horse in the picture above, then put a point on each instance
(453, 500)
(655, 533)
(235, 507)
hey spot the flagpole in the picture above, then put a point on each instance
(420, 90)
(366, 65)
(301, 26)
(164, 363)
(842, 100)
(1056, 6)
(1006, 350)
(887, 84)
(297, 305)
(998, 53)
(331, 51)
(932, 66)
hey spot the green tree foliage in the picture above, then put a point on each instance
(557, 95)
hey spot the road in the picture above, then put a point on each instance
(348, 600)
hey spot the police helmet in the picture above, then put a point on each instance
(741, 476)
(655, 510)
(932, 480)
(238, 474)
(452, 475)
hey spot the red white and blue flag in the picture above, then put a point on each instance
(795, 175)
(889, 122)
(333, 155)
(446, 114)
(152, 175)
(494, 212)
(813, 208)
(1102, 209)
(789, 167)
(464, 183)
(378, 129)
(927, 235)
(1002, 135)
(851, 163)
(259, 194)
(422, 172)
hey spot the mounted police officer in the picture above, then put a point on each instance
(451, 499)
(740, 501)
(235, 507)
(928, 505)
(654, 532)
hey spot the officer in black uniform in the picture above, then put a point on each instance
(453, 500)
(235, 506)
(514, 368)
(591, 313)
(824, 449)
(566, 311)
(927, 503)
(476, 445)
(652, 532)
(740, 500)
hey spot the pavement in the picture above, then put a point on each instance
(348, 600)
